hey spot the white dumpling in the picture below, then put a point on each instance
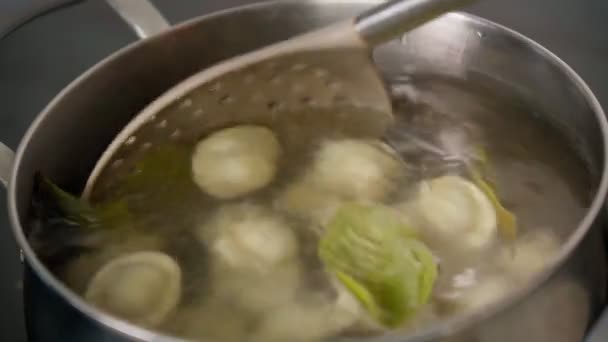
(485, 292)
(253, 256)
(142, 287)
(311, 319)
(530, 254)
(209, 320)
(236, 161)
(80, 270)
(248, 237)
(355, 169)
(308, 201)
(258, 293)
(454, 210)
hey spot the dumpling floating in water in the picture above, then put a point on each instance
(529, 254)
(235, 161)
(143, 287)
(248, 237)
(256, 293)
(355, 169)
(80, 270)
(304, 199)
(342, 170)
(454, 210)
(475, 295)
(253, 255)
(311, 319)
(211, 321)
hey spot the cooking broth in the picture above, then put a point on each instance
(439, 124)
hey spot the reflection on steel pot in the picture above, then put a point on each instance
(558, 304)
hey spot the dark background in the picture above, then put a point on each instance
(42, 56)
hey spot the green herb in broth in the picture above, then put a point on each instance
(56, 205)
(64, 224)
(162, 173)
(159, 191)
(380, 260)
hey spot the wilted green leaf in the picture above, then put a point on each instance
(380, 260)
(56, 205)
(507, 221)
(63, 224)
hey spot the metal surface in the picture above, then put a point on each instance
(38, 59)
(599, 333)
(571, 291)
(6, 163)
(385, 22)
(141, 15)
(15, 14)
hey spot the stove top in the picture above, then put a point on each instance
(40, 57)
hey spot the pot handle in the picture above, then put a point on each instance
(599, 331)
(7, 156)
(141, 15)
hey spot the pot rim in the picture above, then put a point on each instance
(441, 329)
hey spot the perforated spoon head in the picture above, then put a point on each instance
(327, 72)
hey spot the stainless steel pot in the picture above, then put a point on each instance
(71, 133)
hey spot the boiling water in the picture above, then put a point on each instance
(536, 173)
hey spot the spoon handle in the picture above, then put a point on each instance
(389, 20)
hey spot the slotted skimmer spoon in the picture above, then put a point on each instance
(327, 68)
